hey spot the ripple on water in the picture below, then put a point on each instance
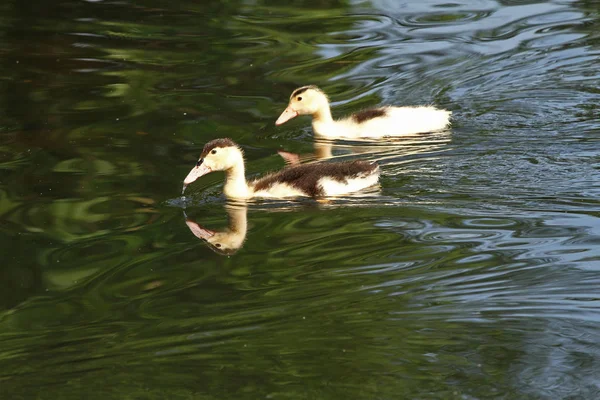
(479, 256)
(515, 268)
(71, 219)
(439, 20)
(63, 264)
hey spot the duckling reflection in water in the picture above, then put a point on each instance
(375, 149)
(230, 240)
(323, 151)
(316, 180)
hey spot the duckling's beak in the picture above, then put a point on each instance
(199, 170)
(199, 231)
(288, 114)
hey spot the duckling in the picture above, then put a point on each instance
(230, 240)
(309, 180)
(371, 123)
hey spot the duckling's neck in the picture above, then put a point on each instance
(323, 114)
(235, 181)
(322, 122)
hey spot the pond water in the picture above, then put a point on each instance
(472, 274)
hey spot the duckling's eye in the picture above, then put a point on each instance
(213, 152)
(299, 98)
(218, 245)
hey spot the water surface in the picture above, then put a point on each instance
(472, 274)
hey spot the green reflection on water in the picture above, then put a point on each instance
(436, 289)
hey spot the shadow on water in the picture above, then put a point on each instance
(472, 275)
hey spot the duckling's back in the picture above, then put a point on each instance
(319, 179)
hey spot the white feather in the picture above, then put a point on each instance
(279, 190)
(399, 121)
(332, 187)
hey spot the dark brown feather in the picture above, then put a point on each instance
(366, 115)
(302, 90)
(306, 177)
(224, 142)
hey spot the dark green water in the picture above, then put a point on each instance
(474, 274)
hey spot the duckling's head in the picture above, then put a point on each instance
(217, 155)
(307, 100)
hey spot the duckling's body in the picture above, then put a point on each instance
(372, 123)
(385, 121)
(308, 180)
